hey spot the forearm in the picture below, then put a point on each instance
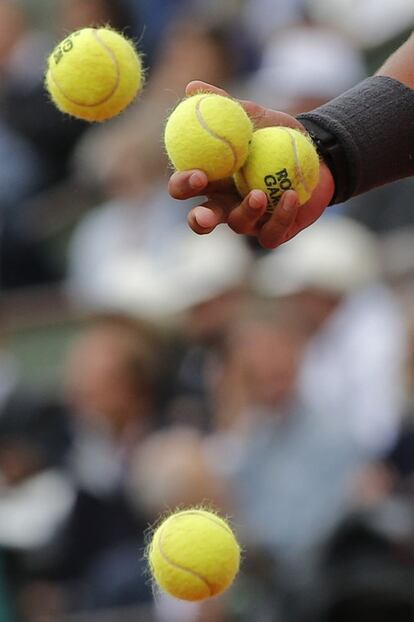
(371, 127)
(400, 65)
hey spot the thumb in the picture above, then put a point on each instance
(196, 86)
(261, 117)
(265, 117)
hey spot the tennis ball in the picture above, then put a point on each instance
(280, 158)
(208, 132)
(194, 555)
(94, 74)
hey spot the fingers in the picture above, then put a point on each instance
(205, 218)
(188, 184)
(202, 222)
(245, 217)
(279, 226)
(194, 183)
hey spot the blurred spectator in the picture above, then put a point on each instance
(393, 473)
(289, 464)
(170, 470)
(155, 17)
(5, 609)
(208, 298)
(24, 104)
(127, 225)
(40, 136)
(366, 570)
(265, 18)
(57, 537)
(367, 23)
(9, 374)
(76, 14)
(384, 209)
(115, 245)
(111, 372)
(113, 152)
(36, 495)
(167, 286)
(287, 80)
(332, 271)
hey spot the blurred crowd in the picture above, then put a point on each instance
(276, 387)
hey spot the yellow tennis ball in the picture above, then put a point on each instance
(208, 132)
(194, 555)
(280, 158)
(94, 74)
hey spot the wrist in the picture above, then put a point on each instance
(366, 135)
(332, 155)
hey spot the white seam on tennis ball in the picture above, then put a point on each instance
(206, 517)
(298, 167)
(179, 566)
(212, 133)
(114, 88)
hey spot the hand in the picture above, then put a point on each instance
(248, 216)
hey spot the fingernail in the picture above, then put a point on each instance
(290, 202)
(196, 181)
(256, 199)
(204, 217)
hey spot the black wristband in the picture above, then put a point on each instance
(366, 135)
(333, 154)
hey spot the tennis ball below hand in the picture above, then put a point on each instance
(208, 132)
(94, 74)
(280, 159)
(194, 555)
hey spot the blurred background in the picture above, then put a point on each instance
(143, 368)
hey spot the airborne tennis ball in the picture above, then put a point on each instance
(280, 159)
(194, 555)
(208, 132)
(94, 74)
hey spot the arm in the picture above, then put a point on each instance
(248, 217)
(223, 204)
(400, 65)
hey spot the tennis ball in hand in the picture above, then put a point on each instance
(208, 132)
(194, 555)
(280, 159)
(94, 74)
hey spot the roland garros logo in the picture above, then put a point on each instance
(276, 185)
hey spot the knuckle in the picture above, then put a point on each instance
(282, 218)
(237, 225)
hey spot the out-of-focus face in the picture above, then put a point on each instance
(170, 469)
(316, 305)
(189, 51)
(12, 26)
(98, 382)
(76, 14)
(208, 320)
(268, 358)
(18, 460)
